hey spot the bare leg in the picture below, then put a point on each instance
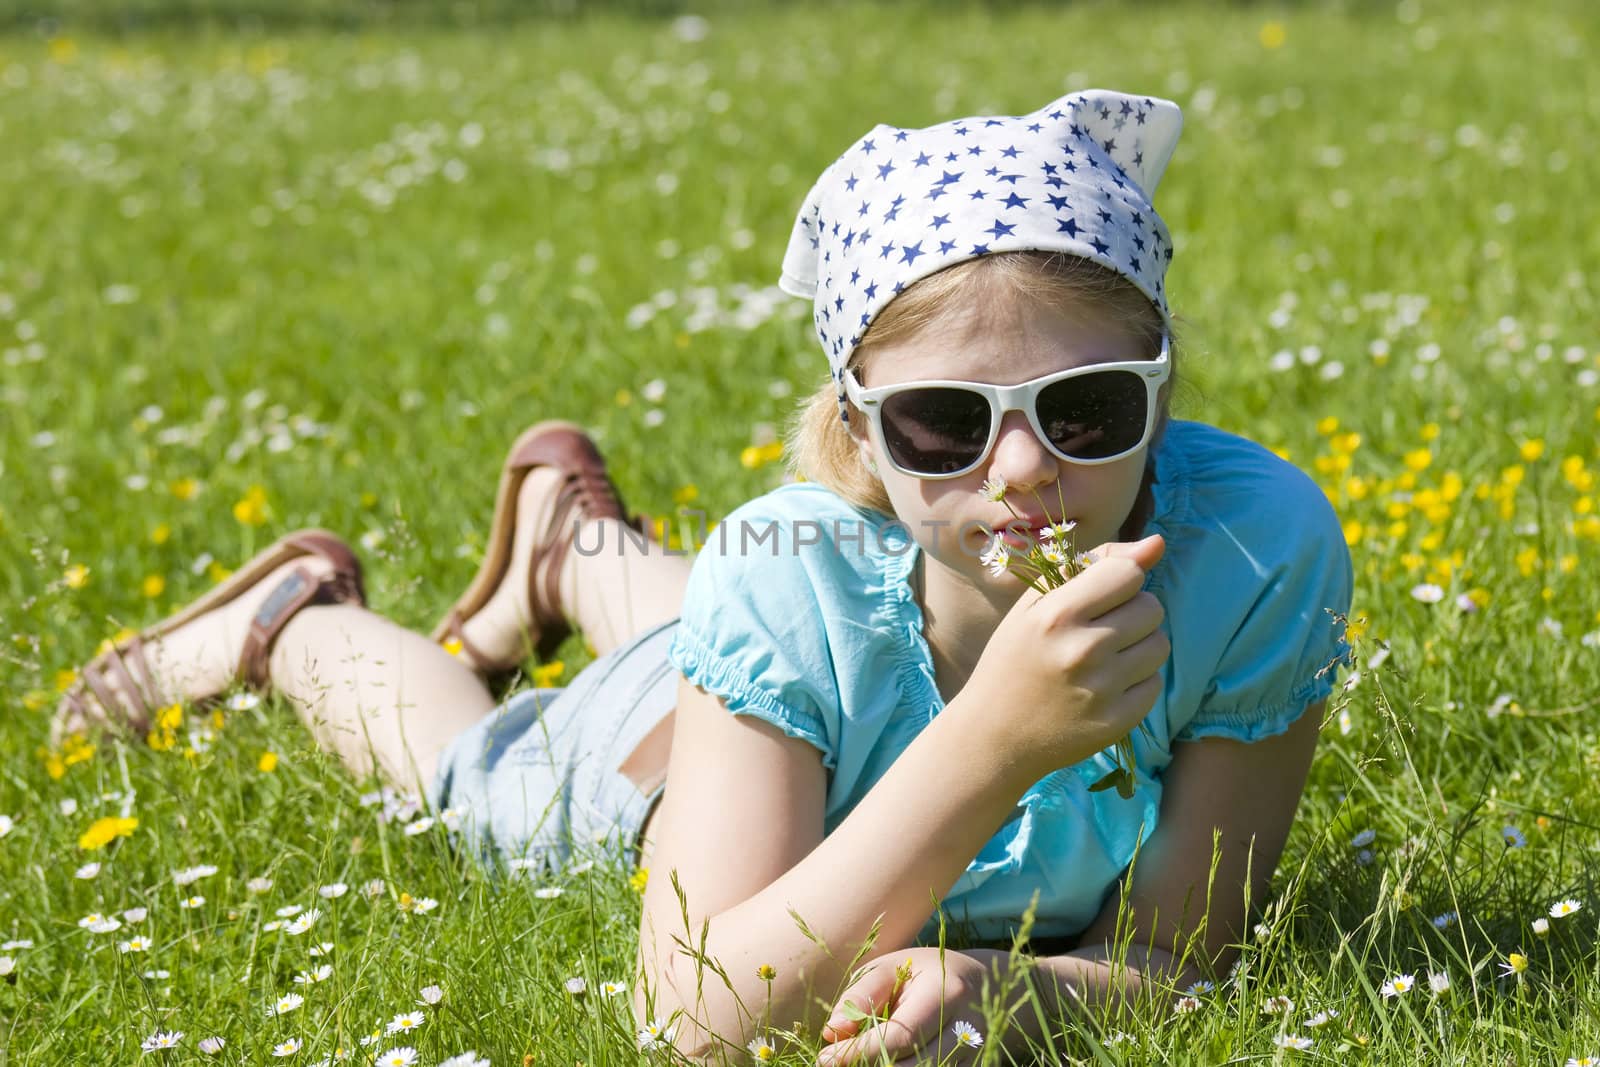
(616, 596)
(380, 696)
(611, 595)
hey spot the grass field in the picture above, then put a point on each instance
(251, 282)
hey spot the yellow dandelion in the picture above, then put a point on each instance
(545, 675)
(267, 763)
(1419, 459)
(1429, 431)
(76, 576)
(685, 494)
(1531, 450)
(184, 488)
(453, 645)
(63, 50)
(1272, 35)
(153, 586)
(103, 831)
(639, 879)
(1352, 532)
(160, 533)
(251, 509)
(65, 679)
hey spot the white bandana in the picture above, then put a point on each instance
(1075, 176)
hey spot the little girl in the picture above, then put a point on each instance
(869, 722)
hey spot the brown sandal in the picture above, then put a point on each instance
(143, 696)
(587, 487)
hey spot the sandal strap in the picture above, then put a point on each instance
(458, 634)
(296, 591)
(342, 586)
(101, 687)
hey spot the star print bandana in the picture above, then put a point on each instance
(1075, 176)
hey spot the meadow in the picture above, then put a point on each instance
(253, 280)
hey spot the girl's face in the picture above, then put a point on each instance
(1004, 345)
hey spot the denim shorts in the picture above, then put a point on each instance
(542, 777)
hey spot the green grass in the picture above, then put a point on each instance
(214, 225)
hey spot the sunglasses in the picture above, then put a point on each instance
(1088, 415)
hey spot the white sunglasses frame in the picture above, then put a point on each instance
(1021, 397)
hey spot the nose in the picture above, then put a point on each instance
(1020, 457)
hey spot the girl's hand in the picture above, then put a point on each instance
(1072, 670)
(915, 1006)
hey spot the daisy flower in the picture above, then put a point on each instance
(423, 905)
(1322, 1018)
(1562, 908)
(288, 911)
(430, 995)
(304, 922)
(157, 976)
(1200, 988)
(404, 1056)
(577, 986)
(87, 871)
(373, 889)
(1060, 531)
(8, 966)
(286, 1048)
(258, 885)
(966, 1034)
(12, 946)
(1444, 921)
(321, 974)
(322, 948)
(99, 924)
(464, 1059)
(193, 874)
(405, 1022)
(190, 903)
(135, 915)
(1541, 926)
(611, 989)
(1439, 982)
(243, 701)
(134, 944)
(420, 826)
(274, 924)
(996, 557)
(1584, 1061)
(332, 891)
(287, 1003)
(161, 1039)
(581, 868)
(1513, 837)
(1294, 1041)
(1427, 593)
(994, 488)
(549, 892)
(1398, 985)
(373, 1038)
(7, 823)
(1278, 1005)
(212, 1045)
(1515, 964)
(655, 1034)
(1186, 1005)
(762, 1048)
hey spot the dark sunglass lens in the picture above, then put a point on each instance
(1094, 416)
(934, 430)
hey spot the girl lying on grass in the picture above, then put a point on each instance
(869, 718)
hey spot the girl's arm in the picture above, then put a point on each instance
(741, 827)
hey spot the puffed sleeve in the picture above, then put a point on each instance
(1256, 591)
(752, 629)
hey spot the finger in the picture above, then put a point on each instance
(868, 994)
(1146, 552)
(1131, 621)
(911, 1025)
(1143, 658)
(1137, 700)
(1104, 585)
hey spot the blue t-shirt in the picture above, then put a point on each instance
(799, 611)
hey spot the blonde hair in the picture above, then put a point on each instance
(819, 449)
